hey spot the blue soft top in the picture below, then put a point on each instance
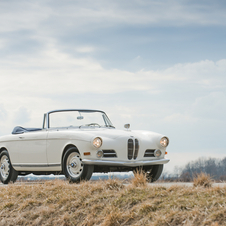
(19, 129)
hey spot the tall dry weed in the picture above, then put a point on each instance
(140, 179)
(202, 180)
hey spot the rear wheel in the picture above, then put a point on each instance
(7, 172)
(73, 167)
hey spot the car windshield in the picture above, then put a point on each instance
(79, 119)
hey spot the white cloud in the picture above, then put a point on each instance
(53, 68)
(3, 113)
(36, 81)
(85, 49)
(210, 106)
(42, 15)
(54, 71)
(137, 58)
(22, 116)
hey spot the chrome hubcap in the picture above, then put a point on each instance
(74, 165)
(4, 171)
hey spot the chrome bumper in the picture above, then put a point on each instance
(125, 163)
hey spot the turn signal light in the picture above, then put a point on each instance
(166, 153)
(86, 153)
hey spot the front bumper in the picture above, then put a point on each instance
(125, 163)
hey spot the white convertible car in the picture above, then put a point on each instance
(78, 142)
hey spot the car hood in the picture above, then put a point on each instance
(116, 133)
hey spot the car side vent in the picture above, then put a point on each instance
(109, 154)
(130, 149)
(133, 149)
(149, 153)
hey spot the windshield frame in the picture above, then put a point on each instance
(47, 116)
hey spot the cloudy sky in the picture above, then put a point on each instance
(158, 65)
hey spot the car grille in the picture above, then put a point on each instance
(109, 154)
(149, 153)
(133, 149)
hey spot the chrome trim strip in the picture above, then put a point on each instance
(36, 165)
(60, 110)
(125, 163)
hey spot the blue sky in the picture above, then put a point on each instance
(158, 65)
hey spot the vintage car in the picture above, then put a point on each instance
(78, 142)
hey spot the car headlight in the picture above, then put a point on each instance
(164, 141)
(97, 142)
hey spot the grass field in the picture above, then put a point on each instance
(110, 202)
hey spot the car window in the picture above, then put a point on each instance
(77, 118)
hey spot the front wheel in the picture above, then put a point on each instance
(7, 172)
(152, 172)
(73, 167)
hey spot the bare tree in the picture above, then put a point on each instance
(216, 168)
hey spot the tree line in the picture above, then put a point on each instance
(216, 168)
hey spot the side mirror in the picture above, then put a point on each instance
(127, 126)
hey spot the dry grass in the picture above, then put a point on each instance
(110, 203)
(203, 180)
(113, 184)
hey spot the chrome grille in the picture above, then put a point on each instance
(130, 149)
(149, 153)
(109, 154)
(136, 148)
(133, 149)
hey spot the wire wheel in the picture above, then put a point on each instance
(5, 167)
(74, 165)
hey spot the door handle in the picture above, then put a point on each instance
(21, 137)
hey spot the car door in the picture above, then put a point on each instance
(56, 142)
(29, 148)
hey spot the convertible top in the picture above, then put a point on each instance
(19, 129)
